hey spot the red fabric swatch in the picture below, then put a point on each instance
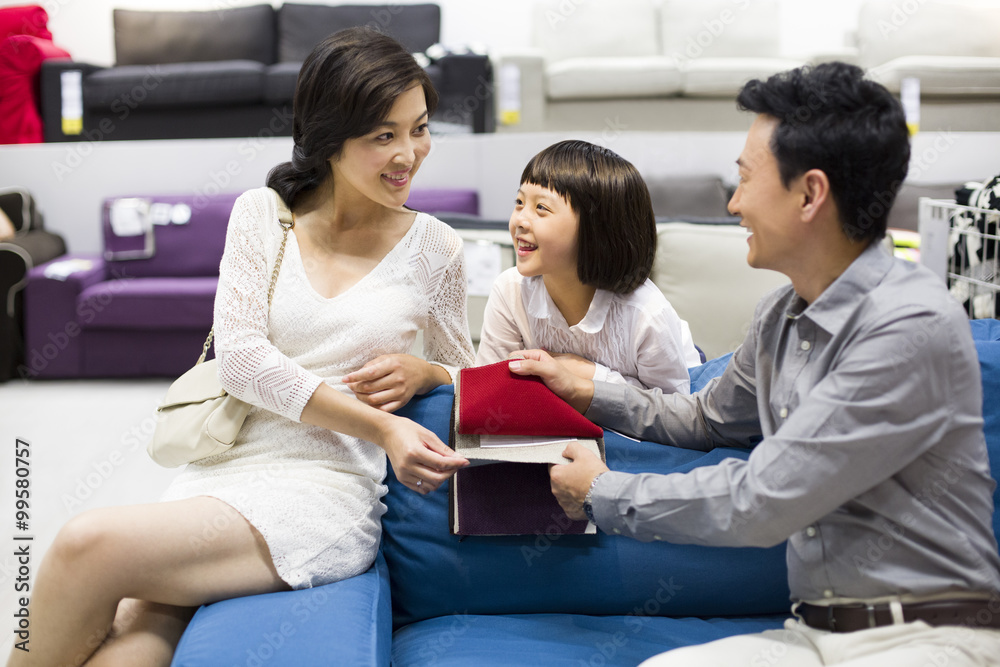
(495, 401)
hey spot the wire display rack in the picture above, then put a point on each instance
(962, 245)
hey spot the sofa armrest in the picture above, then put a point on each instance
(52, 323)
(51, 98)
(520, 89)
(345, 623)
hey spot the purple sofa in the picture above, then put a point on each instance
(145, 307)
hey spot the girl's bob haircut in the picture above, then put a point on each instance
(617, 240)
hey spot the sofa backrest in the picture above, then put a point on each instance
(160, 37)
(702, 270)
(889, 29)
(720, 29)
(625, 28)
(301, 27)
(166, 235)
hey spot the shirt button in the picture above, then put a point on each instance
(811, 531)
(617, 532)
(657, 538)
(805, 345)
(783, 412)
(828, 593)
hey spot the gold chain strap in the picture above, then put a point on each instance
(286, 221)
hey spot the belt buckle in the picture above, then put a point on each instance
(831, 620)
(871, 615)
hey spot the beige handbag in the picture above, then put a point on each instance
(198, 418)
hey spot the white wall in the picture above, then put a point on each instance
(84, 27)
(71, 180)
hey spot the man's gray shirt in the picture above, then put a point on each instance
(864, 411)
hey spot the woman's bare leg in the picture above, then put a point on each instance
(178, 554)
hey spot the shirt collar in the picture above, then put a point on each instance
(540, 305)
(841, 298)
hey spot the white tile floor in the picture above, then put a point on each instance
(87, 442)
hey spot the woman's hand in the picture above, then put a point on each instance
(388, 382)
(420, 460)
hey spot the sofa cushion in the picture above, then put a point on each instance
(148, 303)
(720, 304)
(724, 77)
(182, 246)
(30, 20)
(435, 573)
(546, 640)
(152, 37)
(279, 82)
(622, 29)
(889, 29)
(603, 78)
(942, 75)
(122, 89)
(344, 623)
(720, 29)
(301, 27)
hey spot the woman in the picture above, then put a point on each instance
(296, 503)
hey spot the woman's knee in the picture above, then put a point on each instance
(86, 541)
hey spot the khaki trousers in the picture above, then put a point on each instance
(798, 645)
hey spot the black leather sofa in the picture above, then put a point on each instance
(30, 246)
(231, 72)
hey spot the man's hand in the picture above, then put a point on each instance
(571, 388)
(571, 481)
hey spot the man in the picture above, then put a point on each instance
(858, 388)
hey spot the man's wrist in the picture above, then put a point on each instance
(588, 506)
(583, 394)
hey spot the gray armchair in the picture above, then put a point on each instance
(30, 246)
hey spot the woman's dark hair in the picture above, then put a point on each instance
(617, 239)
(833, 119)
(345, 89)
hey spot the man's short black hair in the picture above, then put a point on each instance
(617, 239)
(833, 119)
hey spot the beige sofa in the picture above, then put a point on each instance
(669, 65)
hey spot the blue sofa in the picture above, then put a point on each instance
(588, 600)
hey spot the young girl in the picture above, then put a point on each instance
(297, 501)
(585, 236)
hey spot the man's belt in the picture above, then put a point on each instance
(848, 618)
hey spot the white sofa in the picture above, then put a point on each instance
(951, 46)
(667, 65)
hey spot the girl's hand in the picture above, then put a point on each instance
(577, 365)
(573, 389)
(388, 382)
(420, 460)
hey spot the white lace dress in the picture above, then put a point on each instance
(635, 338)
(314, 494)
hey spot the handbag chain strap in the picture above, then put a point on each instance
(286, 221)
